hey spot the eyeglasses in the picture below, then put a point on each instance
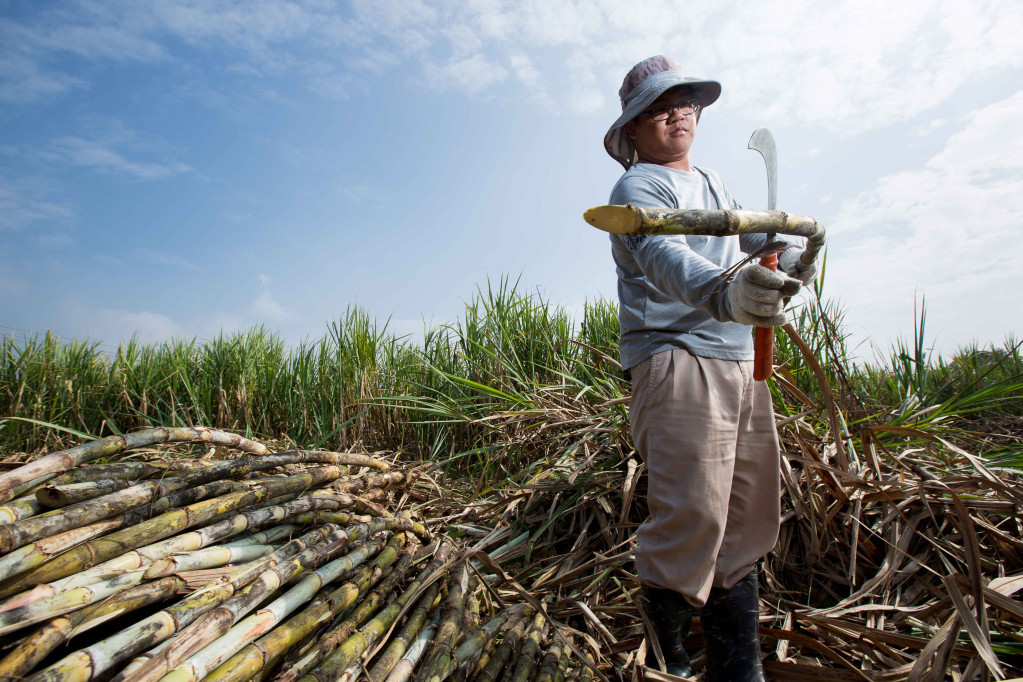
(662, 113)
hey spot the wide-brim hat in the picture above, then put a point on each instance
(617, 143)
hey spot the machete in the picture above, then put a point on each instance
(763, 341)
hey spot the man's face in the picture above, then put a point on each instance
(665, 142)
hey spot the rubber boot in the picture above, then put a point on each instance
(731, 625)
(671, 616)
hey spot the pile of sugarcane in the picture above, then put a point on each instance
(295, 565)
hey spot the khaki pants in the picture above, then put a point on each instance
(706, 432)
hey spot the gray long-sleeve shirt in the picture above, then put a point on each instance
(670, 292)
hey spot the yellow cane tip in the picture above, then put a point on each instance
(613, 219)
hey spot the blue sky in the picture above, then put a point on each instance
(179, 168)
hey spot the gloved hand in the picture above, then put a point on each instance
(757, 296)
(788, 262)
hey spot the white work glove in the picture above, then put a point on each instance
(757, 296)
(788, 262)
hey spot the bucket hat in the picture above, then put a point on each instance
(644, 83)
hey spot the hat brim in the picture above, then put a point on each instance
(618, 144)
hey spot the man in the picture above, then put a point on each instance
(704, 428)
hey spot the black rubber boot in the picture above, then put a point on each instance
(671, 616)
(731, 623)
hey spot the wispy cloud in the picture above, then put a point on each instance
(111, 147)
(24, 201)
(164, 258)
(111, 324)
(472, 74)
(265, 307)
(90, 153)
(949, 230)
(23, 80)
(847, 71)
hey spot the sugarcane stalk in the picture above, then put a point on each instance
(716, 223)
(351, 673)
(64, 602)
(57, 462)
(320, 517)
(355, 644)
(265, 537)
(219, 620)
(349, 486)
(399, 644)
(505, 649)
(38, 553)
(485, 655)
(163, 526)
(551, 665)
(124, 470)
(22, 532)
(564, 664)
(263, 654)
(403, 668)
(37, 646)
(100, 657)
(20, 508)
(72, 493)
(28, 488)
(195, 514)
(471, 648)
(327, 643)
(87, 554)
(423, 606)
(441, 654)
(256, 659)
(250, 628)
(531, 649)
(471, 615)
(586, 670)
(253, 661)
(211, 557)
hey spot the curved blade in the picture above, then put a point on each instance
(763, 142)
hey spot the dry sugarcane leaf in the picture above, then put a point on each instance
(980, 637)
(947, 632)
(807, 672)
(816, 645)
(1010, 584)
(829, 397)
(972, 547)
(994, 599)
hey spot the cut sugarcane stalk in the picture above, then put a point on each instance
(57, 462)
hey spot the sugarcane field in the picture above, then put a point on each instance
(368, 507)
(504, 341)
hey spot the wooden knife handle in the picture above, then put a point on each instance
(763, 342)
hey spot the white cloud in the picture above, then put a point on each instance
(923, 130)
(949, 230)
(22, 80)
(524, 69)
(471, 74)
(586, 100)
(97, 154)
(24, 201)
(850, 66)
(265, 307)
(115, 323)
(168, 259)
